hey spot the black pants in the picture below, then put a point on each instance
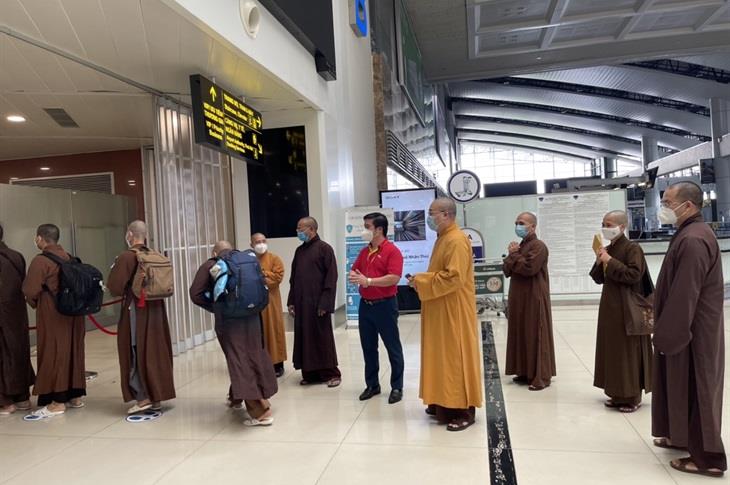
(60, 397)
(381, 318)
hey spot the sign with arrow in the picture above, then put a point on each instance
(224, 123)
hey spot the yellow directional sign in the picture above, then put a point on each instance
(225, 123)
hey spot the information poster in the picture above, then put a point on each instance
(354, 225)
(567, 224)
(410, 232)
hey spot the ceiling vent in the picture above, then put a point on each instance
(61, 117)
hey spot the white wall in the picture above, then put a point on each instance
(339, 122)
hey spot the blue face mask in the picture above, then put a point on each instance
(521, 231)
(302, 236)
(432, 223)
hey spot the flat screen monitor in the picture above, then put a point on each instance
(506, 189)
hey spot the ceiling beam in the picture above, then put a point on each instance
(710, 16)
(587, 17)
(631, 22)
(528, 148)
(555, 13)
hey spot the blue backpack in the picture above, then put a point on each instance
(246, 293)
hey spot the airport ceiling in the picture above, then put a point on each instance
(583, 77)
(145, 41)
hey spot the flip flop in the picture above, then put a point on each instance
(8, 410)
(78, 405)
(138, 409)
(143, 417)
(681, 464)
(259, 422)
(41, 414)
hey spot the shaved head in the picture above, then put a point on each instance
(687, 191)
(221, 246)
(444, 204)
(619, 218)
(528, 217)
(257, 236)
(138, 230)
(308, 222)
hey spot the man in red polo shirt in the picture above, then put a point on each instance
(377, 271)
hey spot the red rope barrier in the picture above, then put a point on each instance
(94, 321)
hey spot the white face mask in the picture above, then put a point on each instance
(260, 248)
(611, 233)
(367, 235)
(667, 215)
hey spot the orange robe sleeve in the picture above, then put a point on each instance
(275, 274)
(432, 285)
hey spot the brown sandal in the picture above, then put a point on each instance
(610, 404)
(683, 465)
(459, 424)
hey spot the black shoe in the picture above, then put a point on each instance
(395, 396)
(369, 392)
(279, 369)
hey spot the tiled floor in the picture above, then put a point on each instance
(562, 435)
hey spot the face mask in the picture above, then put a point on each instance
(302, 236)
(611, 233)
(432, 223)
(521, 231)
(667, 215)
(260, 248)
(367, 235)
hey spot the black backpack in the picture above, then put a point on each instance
(246, 291)
(80, 290)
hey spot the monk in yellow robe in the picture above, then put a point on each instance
(451, 382)
(273, 314)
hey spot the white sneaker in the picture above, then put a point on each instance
(42, 413)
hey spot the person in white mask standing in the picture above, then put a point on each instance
(273, 315)
(623, 364)
(376, 271)
(689, 338)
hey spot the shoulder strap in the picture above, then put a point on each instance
(20, 273)
(53, 258)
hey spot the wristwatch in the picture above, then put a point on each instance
(369, 281)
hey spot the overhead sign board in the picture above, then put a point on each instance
(223, 122)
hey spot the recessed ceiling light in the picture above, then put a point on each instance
(45, 169)
(13, 178)
(15, 118)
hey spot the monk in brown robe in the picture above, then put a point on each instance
(61, 380)
(451, 379)
(273, 314)
(311, 302)
(623, 362)
(143, 334)
(249, 366)
(16, 370)
(530, 348)
(689, 338)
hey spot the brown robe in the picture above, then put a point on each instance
(313, 284)
(690, 345)
(16, 370)
(273, 314)
(249, 365)
(623, 363)
(153, 342)
(61, 371)
(530, 347)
